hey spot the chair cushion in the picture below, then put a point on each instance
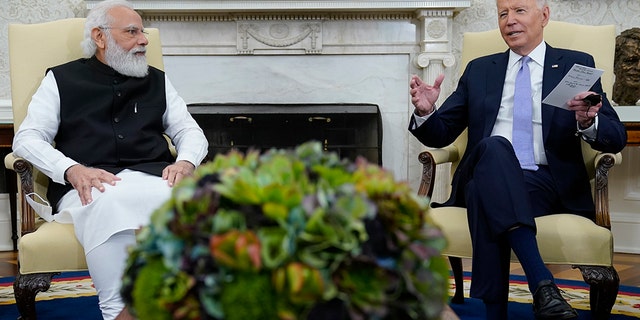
(562, 238)
(53, 247)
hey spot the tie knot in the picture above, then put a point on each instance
(525, 60)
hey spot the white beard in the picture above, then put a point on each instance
(126, 62)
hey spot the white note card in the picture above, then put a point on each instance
(579, 79)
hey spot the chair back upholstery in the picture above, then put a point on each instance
(599, 41)
(35, 47)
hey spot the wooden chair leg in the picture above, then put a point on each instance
(456, 267)
(25, 289)
(604, 284)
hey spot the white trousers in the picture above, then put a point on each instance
(106, 265)
(106, 227)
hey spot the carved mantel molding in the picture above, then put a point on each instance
(295, 27)
(201, 6)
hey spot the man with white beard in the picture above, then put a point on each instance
(111, 165)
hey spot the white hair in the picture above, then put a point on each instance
(540, 3)
(99, 17)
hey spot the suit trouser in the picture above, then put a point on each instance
(500, 195)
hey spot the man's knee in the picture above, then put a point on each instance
(496, 144)
(493, 153)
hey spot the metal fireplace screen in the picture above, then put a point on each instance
(351, 130)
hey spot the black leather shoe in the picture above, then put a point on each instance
(549, 304)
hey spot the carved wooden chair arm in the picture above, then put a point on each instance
(603, 162)
(430, 159)
(24, 169)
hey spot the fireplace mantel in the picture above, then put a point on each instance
(201, 6)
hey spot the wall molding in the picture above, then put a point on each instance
(628, 113)
(6, 113)
(625, 227)
(194, 6)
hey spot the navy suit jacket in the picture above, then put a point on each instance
(475, 104)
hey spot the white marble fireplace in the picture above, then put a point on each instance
(308, 52)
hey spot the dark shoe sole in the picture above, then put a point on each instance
(565, 316)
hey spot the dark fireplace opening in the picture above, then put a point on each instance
(351, 130)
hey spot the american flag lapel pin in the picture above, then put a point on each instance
(554, 66)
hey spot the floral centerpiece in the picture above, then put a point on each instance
(297, 234)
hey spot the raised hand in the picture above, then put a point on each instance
(424, 96)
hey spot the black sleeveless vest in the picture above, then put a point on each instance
(110, 121)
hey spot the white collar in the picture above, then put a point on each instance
(536, 55)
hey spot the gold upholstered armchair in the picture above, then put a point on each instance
(45, 248)
(563, 238)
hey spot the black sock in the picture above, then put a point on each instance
(524, 245)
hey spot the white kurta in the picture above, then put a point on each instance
(125, 206)
(129, 203)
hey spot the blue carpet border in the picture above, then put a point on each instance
(472, 309)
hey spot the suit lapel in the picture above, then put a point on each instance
(495, 77)
(554, 69)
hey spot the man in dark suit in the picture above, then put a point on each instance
(503, 182)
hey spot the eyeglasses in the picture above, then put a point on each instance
(131, 32)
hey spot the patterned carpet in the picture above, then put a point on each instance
(67, 285)
(71, 286)
(70, 297)
(575, 292)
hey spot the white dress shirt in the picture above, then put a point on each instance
(504, 122)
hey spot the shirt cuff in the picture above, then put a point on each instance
(420, 120)
(61, 168)
(590, 133)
